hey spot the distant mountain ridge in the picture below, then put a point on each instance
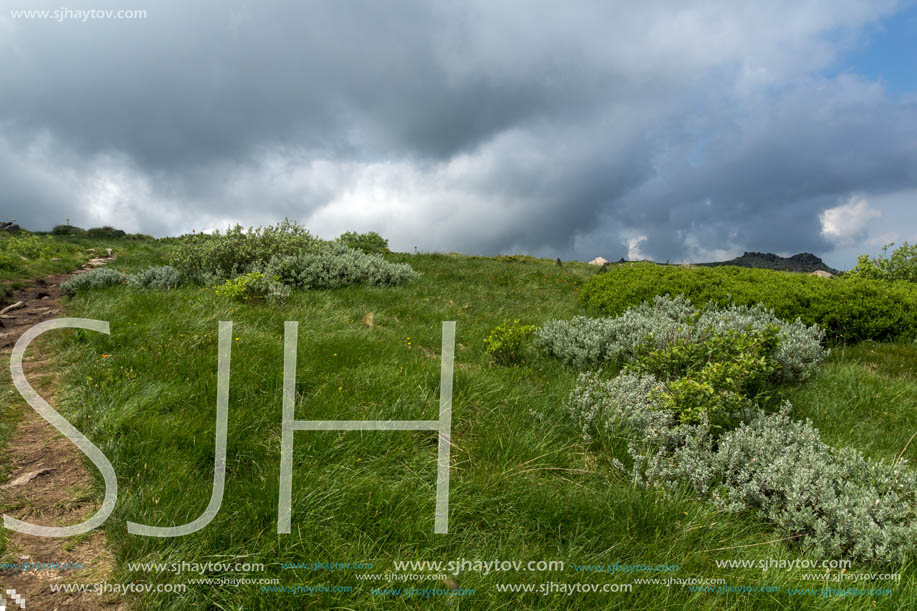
(804, 262)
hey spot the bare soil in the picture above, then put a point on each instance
(47, 480)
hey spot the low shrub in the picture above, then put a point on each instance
(267, 263)
(584, 342)
(287, 256)
(692, 354)
(371, 243)
(251, 286)
(829, 501)
(159, 278)
(93, 279)
(505, 341)
(721, 377)
(842, 503)
(204, 257)
(850, 309)
(712, 395)
(716, 366)
(628, 404)
(335, 266)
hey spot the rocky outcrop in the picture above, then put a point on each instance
(804, 262)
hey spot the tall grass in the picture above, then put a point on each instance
(25, 257)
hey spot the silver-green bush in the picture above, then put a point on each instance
(589, 342)
(158, 278)
(335, 266)
(799, 350)
(834, 502)
(93, 279)
(844, 504)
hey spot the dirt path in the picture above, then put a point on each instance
(47, 482)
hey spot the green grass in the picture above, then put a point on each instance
(26, 257)
(865, 397)
(522, 487)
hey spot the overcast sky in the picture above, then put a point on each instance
(668, 130)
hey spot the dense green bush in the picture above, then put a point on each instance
(849, 309)
(833, 502)
(220, 256)
(105, 232)
(371, 243)
(21, 248)
(590, 342)
(505, 341)
(689, 355)
(250, 286)
(93, 279)
(9, 261)
(67, 230)
(901, 265)
(721, 377)
(28, 246)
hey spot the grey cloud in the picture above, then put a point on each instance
(544, 127)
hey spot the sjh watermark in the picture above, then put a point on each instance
(443, 426)
(67, 14)
(196, 567)
(40, 566)
(766, 564)
(484, 567)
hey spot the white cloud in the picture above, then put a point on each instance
(700, 251)
(847, 223)
(633, 248)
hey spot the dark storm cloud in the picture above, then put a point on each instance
(203, 82)
(768, 169)
(552, 128)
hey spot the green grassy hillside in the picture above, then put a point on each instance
(524, 485)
